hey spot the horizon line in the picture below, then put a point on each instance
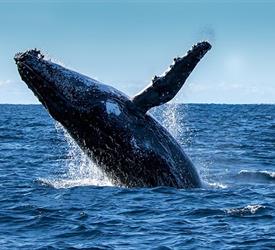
(185, 103)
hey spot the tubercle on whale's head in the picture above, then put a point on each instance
(60, 90)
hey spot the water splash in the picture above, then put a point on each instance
(80, 170)
(174, 116)
(171, 121)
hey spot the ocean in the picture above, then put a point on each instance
(53, 197)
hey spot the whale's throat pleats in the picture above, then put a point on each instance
(164, 88)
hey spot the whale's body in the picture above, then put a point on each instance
(129, 145)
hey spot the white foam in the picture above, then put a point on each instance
(70, 183)
(249, 209)
(264, 172)
(214, 185)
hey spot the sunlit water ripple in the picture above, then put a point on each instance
(53, 197)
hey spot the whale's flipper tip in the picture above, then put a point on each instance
(164, 88)
(203, 45)
(200, 49)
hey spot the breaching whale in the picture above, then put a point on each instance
(128, 144)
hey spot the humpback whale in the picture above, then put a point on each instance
(115, 130)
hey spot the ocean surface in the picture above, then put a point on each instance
(53, 197)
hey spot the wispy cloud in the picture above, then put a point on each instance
(226, 92)
(15, 92)
(3, 82)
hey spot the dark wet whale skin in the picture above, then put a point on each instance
(131, 147)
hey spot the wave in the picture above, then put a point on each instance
(255, 210)
(245, 211)
(256, 176)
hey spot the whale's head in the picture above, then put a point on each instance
(69, 96)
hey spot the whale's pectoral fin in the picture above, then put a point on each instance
(164, 88)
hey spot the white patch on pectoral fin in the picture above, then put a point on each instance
(112, 108)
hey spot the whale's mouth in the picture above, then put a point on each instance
(24, 60)
(28, 75)
(33, 80)
(30, 66)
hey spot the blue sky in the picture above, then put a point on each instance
(125, 44)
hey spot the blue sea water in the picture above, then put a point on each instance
(53, 197)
